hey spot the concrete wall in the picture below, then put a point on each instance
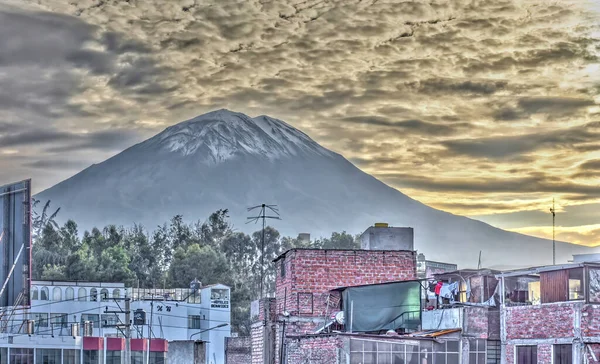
(187, 352)
(315, 350)
(390, 238)
(237, 350)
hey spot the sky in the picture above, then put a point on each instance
(488, 109)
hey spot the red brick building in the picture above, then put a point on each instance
(305, 300)
(551, 315)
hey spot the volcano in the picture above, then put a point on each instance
(225, 159)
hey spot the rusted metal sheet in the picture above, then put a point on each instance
(554, 286)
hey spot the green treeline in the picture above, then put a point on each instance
(171, 256)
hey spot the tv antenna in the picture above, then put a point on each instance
(553, 212)
(263, 215)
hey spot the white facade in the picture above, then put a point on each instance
(172, 314)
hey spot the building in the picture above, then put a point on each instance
(472, 310)
(307, 293)
(84, 315)
(551, 314)
(426, 269)
(383, 237)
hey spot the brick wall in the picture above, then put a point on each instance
(315, 350)
(596, 350)
(476, 322)
(590, 320)
(311, 274)
(540, 322)
(476, 289)
(544, 354)
(237, 350)
(257, 340)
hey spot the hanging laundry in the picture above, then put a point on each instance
(449, 291)
(438, 287)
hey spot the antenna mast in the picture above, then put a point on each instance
(553, 211)
(263, 215)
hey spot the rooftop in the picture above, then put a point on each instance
(282, 255)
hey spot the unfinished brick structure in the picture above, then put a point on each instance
(306, 277)
(303, 299)
(563, 327)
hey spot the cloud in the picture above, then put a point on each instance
(507, 146)
(58, 164)
(414, 125)
(439, 98)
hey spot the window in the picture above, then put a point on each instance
(114, 357)
(82, 294)
(34, 294)
(104, 295)
(3, 355)
(116, 293)
(562, 354)
(109, 320)
(137, 357)
(21, 356)
(526, 354)
(476, 351)
(493, 352)
(40, 319)
(47, 356)
(95, 318)
(59, 319)
(92, 357)
(56, 294)
(69, 294)
(576, 284)
(283, 268)
(44, 294)
(94, 294)
(194, 322)
(71, 356)
(381, 352)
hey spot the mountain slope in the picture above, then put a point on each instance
(228, 160)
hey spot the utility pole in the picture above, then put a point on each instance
(263, 215)
(124, 328)
(553, 211)
(127, 330)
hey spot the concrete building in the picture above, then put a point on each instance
(75, 312)
(383, 237)
(551, 314)
(426, 269)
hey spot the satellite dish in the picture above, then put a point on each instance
(339, 317)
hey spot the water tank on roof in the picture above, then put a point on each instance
(381, 224)
(195, 285)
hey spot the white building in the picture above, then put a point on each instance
(57, 308)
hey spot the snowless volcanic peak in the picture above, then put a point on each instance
(221, 135)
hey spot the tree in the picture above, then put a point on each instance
(341, 240)
(40, 221)
(196, 262)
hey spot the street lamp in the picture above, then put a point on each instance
(212, 328)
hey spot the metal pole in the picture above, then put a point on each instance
(150, 331)
(262, 254)
(127, 330)
(351, 314)
(553, 211)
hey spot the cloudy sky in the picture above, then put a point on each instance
(482, 108)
